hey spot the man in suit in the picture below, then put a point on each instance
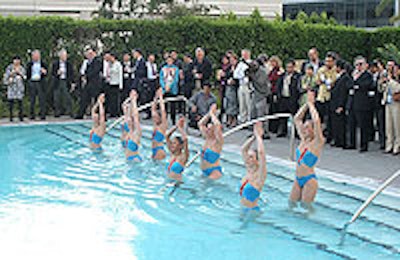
(337, 106)
(36, 76)
(139, 73)
(63, 77)
(127, 69)
(202, 69)
(92, 78)
(363, 88)
(288, 95)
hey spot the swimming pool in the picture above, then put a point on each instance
(58, 200)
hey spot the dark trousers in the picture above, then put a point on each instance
(187, 93)
(147, 94)
(112, 99)
(171, 107)
(339, 128)
(324, 115)
(62, 98)
(363, 123)
(221, 98)
(284, 107)
(274, 108)
(380, 118)
(194, 119)
(11, 106)
(87, 93)
(351, 128)
(37, 88)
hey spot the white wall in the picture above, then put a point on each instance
(83, 8)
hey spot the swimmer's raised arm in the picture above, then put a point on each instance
(202, 124)
(218, 127)
(102, 112)
(135, 112)
(258, 133)
(315, 118)
(246, 147)
(298, 119)
(180, 126)
(168, 136)
(164, 120)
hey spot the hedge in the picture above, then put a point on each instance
(216, 35)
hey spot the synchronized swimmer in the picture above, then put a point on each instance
(312, 142)
(160, 125)
(214, 140)
(309, 150)
(99, 124)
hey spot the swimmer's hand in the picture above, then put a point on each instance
(102, 98)
(181, 123)
(310, 97)
(213, 109)
(133, 95)
(258, 129)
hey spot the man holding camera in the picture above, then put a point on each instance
(258, 76)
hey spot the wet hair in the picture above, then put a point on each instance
(180, 140)
(256, 153)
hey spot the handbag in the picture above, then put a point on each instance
(396, 97)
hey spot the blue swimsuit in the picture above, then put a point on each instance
(95, 139)
(174, 167)
(308, 159)
(133, 147)
(248, 192)
(211, 157)
(159, 138)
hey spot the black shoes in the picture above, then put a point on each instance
(349, 147)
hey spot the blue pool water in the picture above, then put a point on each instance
(58, 200)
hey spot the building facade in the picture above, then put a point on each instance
(84, 8)
(360, 13)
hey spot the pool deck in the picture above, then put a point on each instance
(368, 169)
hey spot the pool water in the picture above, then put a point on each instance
(59, 200)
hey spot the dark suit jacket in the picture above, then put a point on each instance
(293, 89)
(29, 70)
(93, 72)
(56, 77)
(140, 71)
(204, 68)
(364, 84)
(339, 92)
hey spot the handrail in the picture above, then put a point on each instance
(241, 126)
(148, 105)
(373, 196)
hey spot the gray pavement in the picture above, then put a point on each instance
(373, 165)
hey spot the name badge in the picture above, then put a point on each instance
(371, 93)
(356, 86)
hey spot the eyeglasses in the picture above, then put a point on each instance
(359, 64)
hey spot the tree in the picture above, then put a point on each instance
(117, 9)
(389, 52)
(385, 4)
